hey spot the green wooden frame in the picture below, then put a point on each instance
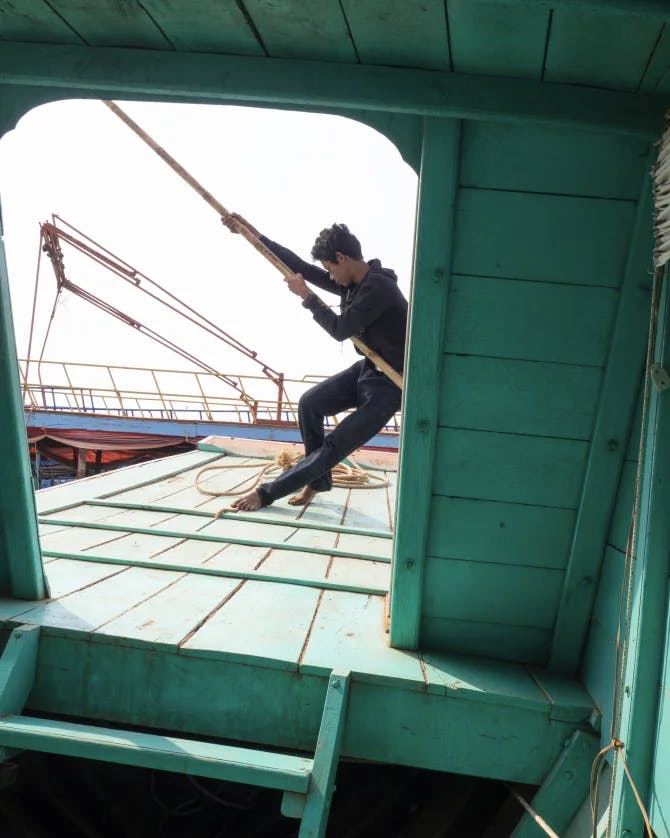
(424, 358)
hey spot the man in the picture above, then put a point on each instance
(372, 308)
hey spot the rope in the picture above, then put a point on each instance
(344, 477)
(617, 746)
(540, 821)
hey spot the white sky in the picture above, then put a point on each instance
(289, 173)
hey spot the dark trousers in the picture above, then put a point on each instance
(375, 397)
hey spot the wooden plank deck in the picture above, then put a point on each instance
(233, 624)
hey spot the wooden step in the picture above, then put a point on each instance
(165, 753)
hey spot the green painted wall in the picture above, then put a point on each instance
(542, 232)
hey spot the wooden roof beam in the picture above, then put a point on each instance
(152, 74)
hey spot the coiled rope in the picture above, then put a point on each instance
(345, 476)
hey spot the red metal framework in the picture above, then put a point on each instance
(57, 232)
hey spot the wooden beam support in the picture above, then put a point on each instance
(654, 9)
(153, 74)
(564, 789)
(608, 446)
(647, 622)
(326, 758)
(18, 664)
(430, 289)
(21, 573)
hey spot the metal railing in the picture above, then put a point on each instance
(142, 392)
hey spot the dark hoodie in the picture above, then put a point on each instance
(375, 310)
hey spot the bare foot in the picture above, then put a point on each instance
(247, 503)
(303, 498)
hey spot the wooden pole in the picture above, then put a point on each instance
(244, 231)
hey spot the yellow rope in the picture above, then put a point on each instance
(344, 476)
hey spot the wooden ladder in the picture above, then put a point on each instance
(308, 784)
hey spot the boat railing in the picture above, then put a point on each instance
(165, 394)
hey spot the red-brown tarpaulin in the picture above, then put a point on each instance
(60, 444)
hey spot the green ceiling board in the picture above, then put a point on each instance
(492, 531)
(535, 321)
(534, 158)
(111, 23)
(599, 50)
(659, 65)
(527, 397)
(495, 593)
(33, 20)
(516, 643)
(302, 29)
(218, 26)
(542, 237)
(506, 467)
(410, 33)
(497, 39)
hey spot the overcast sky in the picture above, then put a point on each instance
(290, 174)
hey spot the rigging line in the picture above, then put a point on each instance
(245, 231)
(156, 336)
(131, 275)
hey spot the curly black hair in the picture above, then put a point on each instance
(333, 240)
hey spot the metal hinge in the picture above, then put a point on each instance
(660, 377)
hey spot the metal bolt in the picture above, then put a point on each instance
(626, 834)
(18, 634)
(335, 683)
(409, 564)
(612, 444)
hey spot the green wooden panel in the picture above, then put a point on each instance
(621, 517)
(251, 626)
(660, 785)
(524, 397)
(216, 26)
(411, 33)
(514, 643)
(606, 455)
(500, 40)
(348, 631)
(17, 668)
(491, 593)
(364, 574)
(496, 682)
(599, 50)
(432, 276)
(164, 753)
(506, 467)
(302, 29)
(564, 788)
(507, 533)
(633, 449)
(656, 75)
(33, 20)
(534, 158)
(552, 238)
(535, 321)
(598, 674)
(111, 23)
(68, 575)
(606, 606)
(174, 612)
(91, 607)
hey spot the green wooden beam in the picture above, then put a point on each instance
(216, 539)
(233, 516)
(152, 74)
(608, 445)
(17, 669)
(430, 289)
(21, 573)
(657, 9)
(564, 789)
(164, 753)
(647, 622)
(324, 584)
(326, 758)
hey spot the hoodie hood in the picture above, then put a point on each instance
(376, 267)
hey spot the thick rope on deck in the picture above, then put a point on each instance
(345, 476)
